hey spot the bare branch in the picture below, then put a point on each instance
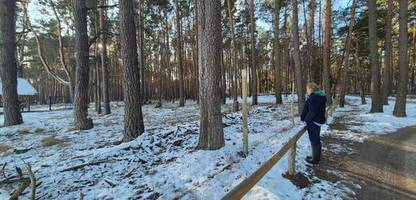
(40, 53)
(60, 40)
(24, 183)
(32, 182)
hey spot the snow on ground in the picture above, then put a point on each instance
(362, 124)
(161, 163)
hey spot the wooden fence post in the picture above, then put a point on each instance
(50, 103)
(292, 160)
(292, 105)
(245, 111)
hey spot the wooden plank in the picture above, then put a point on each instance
(245, 111)
(241, 189)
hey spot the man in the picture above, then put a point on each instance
(314, 116)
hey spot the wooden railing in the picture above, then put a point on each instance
(245, 186)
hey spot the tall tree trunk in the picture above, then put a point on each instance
(233, 56)
(103, 56)
(81, 100)
(160, 59)
(326, 74)
(388, 56)
(96, 75)
(253, 53)
(141, 58)
(360, 71)
(400, 106)
(376, 104)
(22, 40)
(196, 49)
(133, 118)
(413, 90)
(286, 56)
(8, 69)
(277, 54)
(97, 52)
(210, 43)
(223, 81)
(311, 42)
(347, 57)
(296, 57)
(179, 52)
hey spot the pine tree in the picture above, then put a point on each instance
(400, 106)
(210, 46)
(133, 118)
(376, 103)
(81, 95)
(8, 67)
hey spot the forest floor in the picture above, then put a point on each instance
(162, 163)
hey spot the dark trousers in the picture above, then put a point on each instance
(314, 132)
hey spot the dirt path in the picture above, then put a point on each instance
(381, 167)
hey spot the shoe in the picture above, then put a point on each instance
(308, 157)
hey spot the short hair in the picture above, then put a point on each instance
(313, 86)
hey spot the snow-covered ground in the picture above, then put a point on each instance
(362, 124)
(162, 163)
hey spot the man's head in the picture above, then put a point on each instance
(311, 88)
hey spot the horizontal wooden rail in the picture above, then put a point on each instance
(245, 186)
(241, 189)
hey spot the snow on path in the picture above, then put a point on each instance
(274, 187)
(362, 124)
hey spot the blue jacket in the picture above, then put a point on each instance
(314, 109)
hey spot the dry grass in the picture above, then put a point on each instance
(39, 130)
(51, 141)
(4, 148)
(23, 131)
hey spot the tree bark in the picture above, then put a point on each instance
(277, 54)
(98, 64)
(296, 57)
(8, 68)
(210, 44)
(133, 119)
(179, 52)
(376, 103)
(360, 71)
(142, 60)
(326, 75)
(253, 53)
(388, 57)
(311, 41)
(196, 51)
(234, 57)
(347, 57)
(400, 106)
(81, 100)
(103, 56)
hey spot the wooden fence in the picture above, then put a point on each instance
(245, 186)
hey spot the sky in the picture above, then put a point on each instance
(35, 14)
